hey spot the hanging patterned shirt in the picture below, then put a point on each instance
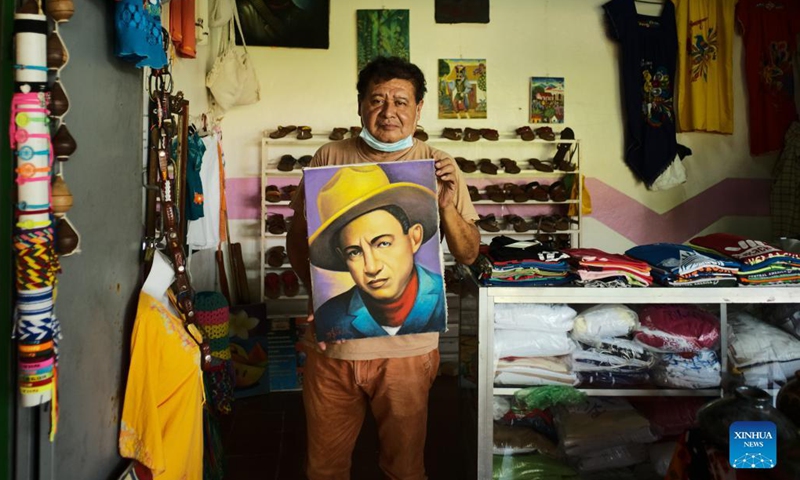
(162, 419)
(704, 87)
(769, 29)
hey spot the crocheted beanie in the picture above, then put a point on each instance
(211, 311)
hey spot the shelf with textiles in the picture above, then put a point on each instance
(480, 303)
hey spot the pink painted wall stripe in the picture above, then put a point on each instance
(642, 225)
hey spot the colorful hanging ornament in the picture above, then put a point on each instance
(59, 101)
(57, 54)
(62, 197)
(67, 239)
(63, 143)
(60, 10)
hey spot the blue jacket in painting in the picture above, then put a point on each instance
(346, 317)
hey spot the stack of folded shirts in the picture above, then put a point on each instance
(596, 268)
(677, 265)
(763, 354)
(603, 433)
(762, 264)
(532, 344)
(605, 357)
(524, 263)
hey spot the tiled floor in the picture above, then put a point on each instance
(265, 438)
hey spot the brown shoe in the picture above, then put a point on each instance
(540, 165)
(272, 285)
(486, 166)
(355, 131)
(490, 134)
(545, 133)
(488, 223)
(526, 133)
(474, 194)
(420, 134)
(517, 223)
(282, 131)
(495, 193)
(276, 224)
(286, 164)
(452, 133)
(510, 166)
(304, 133)
(272, 194)
(466, 166)
(291, 284)
(558, 192)
(515, 192)
(471, 135)
(276, 256)
(337, 133)
(537, 192)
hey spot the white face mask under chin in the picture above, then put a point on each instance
(373, 142)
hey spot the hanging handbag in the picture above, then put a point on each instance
(221, 13)
(232, 80)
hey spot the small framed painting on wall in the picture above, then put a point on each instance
(547, 100)
(462, 88)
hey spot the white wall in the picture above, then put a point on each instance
(523, 39)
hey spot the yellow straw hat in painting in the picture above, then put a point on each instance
(354, 191)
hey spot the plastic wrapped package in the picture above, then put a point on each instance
(677, 328)
(611, 457)
(606, 321)
(669, 416)
(500, 407)
(660, 455)
(528, 371)
(540, 421)
(516, 440)
(753, 342)
(516, 343)
(530, 467)
(542, 398)
(528, 316)
(687, 370)
(785, 316)
(600, 423)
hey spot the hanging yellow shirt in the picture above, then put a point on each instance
(162, 419)
(705, 65)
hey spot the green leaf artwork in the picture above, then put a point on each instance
(381, 33)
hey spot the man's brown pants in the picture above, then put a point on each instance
(336, 394)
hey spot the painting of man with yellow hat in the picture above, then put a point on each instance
(375, 250)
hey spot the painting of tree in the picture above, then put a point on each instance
(381, 33)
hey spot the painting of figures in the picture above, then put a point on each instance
(462, 88)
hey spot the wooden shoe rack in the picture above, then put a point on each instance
(510, 146)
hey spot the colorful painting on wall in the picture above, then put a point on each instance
(381, 33)
(285, 23)
(462, 88)
(547, 100)
(374, 250)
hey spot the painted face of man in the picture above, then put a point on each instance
(389, 110)
(379, 256)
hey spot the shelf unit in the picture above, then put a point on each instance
(511, 146)
(481, 301)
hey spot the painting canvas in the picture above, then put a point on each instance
(461, 11)
(381, 33)
(285, 23)
(547, 100)
(376, 260)
(462, 88)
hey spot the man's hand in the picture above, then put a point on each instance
(322, 345)
(446, 175)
